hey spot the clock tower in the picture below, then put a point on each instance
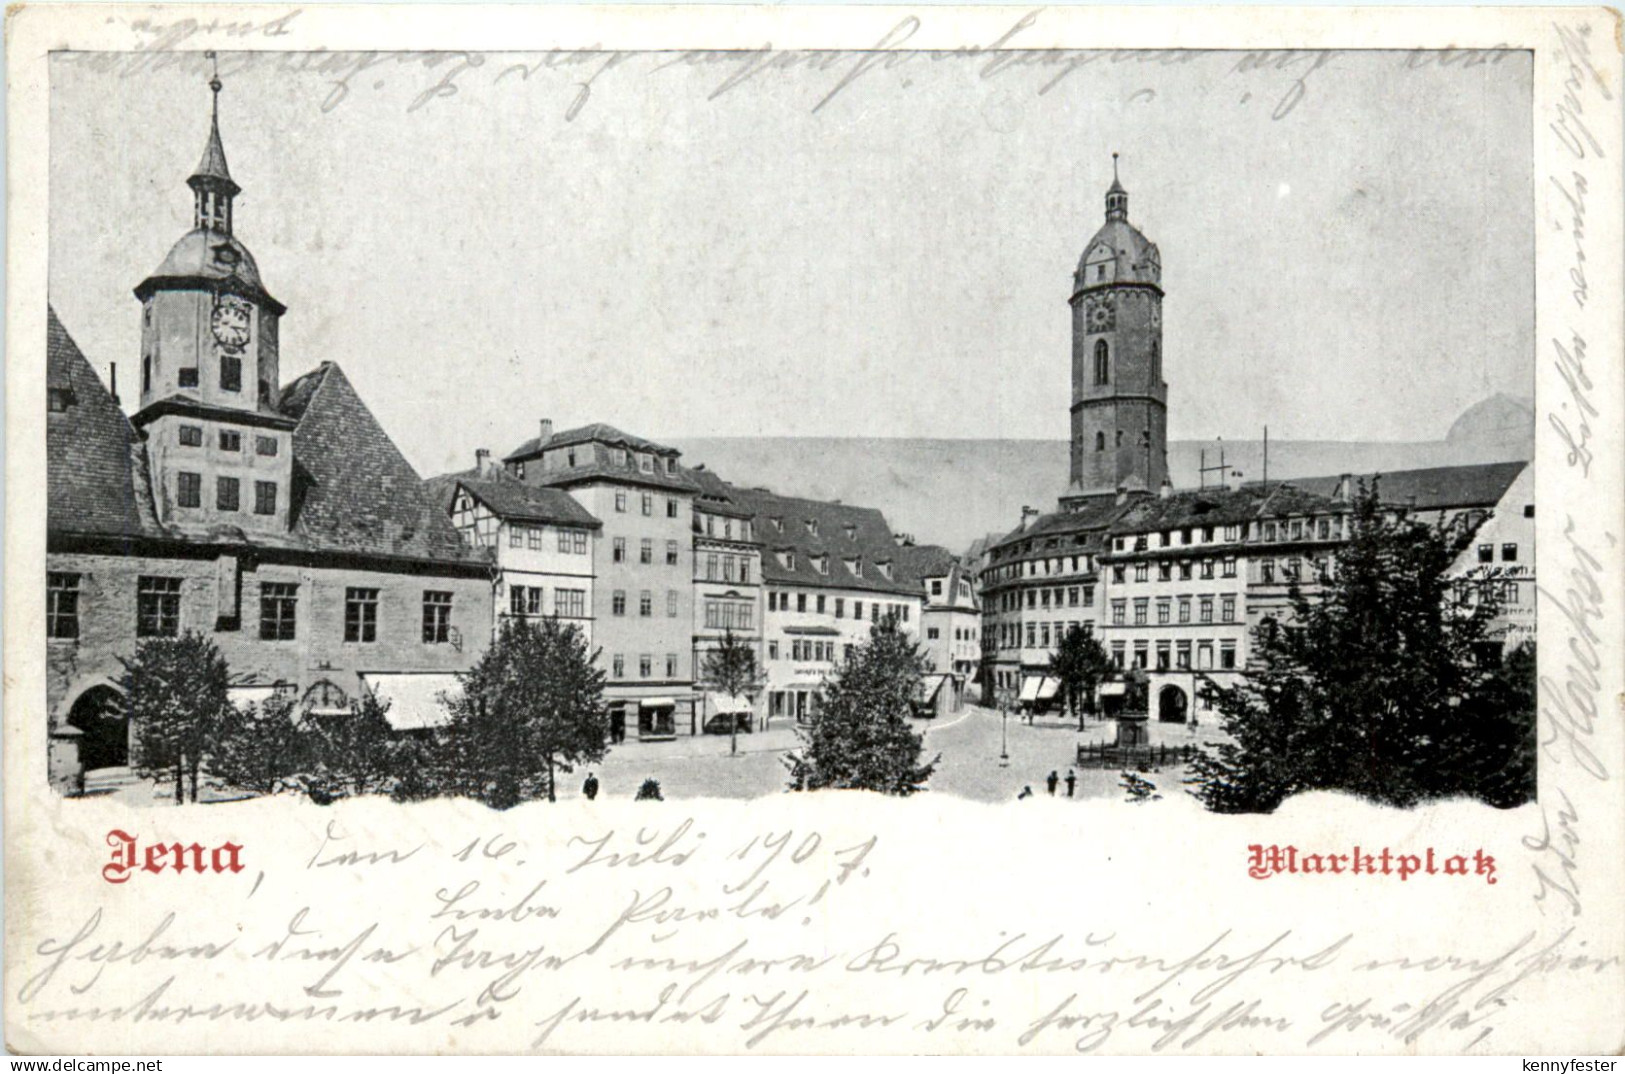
(221, 451)
(1119, 399)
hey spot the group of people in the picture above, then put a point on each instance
(1052, 781)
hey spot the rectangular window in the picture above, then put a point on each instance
(516, 600)
(578, 541)
(1204, 655)
(671, 603)
(1117, 654)
(620, 502)
(516, 535)
(618, 554)
(1229, 566)
(231, 373)
(1266, 571)
(1088, 596)
(1164, 612)
(265, 445)
(191, 436)
(1207, 609)
(265, 497)
(617, 604)
(646, 551)
(820, 604)
(1119, 610)
(1141, 608)
(188, 489)
(571, 603)
(671, 553)
(436, 617)
(1032, 635)
(646, 603)
(1142, 572)
(840, 607)
(744, 570)
(645, 665)
(857, 609)
(188, 376)
(61, 605)
(648, 503)
(278, 604)
(230, 441)
(1227, 609)
(1227, 655)
(1185, 572)
(1486, 553)
(157, 607)
(565, 540)
(533, 537)
(1141, 653)
(1117, 573)
(1182, 656)
(671, 665)
(225, 493)
(1184, 609)
(801, 602)
(1165, 571)
(1164, 654)
(712, 563)
(1509, 553)
(360, 615)
(773, 650)
(619, 664)
(671, 507)
(1207, 568)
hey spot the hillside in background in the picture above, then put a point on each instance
(951, 492)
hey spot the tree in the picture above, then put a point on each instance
(1376, 686)
(731, 669)
(259, 748)
(350, 754)
(860, 738)
(177, 692)
(1080, 664)
(531, 707)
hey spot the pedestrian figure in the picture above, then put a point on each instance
(590, 788)
(1052, 779)
(1026, 792)
(1071, 781)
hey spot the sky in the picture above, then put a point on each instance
(693, 246)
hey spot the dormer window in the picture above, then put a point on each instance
(58, 400)
(646, 464)
(851, 532)
(788, 560)
(821, 564)
(778, 524)
(856, 567)
(618, 455)
(885, 569)
(812, 527)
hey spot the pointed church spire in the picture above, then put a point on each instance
(211, 182)
(1116, 196)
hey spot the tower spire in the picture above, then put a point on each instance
(211, 181)
(1116, 196)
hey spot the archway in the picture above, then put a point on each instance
(1172, 705)
(104, 722)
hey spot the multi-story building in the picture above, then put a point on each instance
(950, 622)
(830, 572)
(280, 522)
(643, 592)
(542, 542)
(727, 590)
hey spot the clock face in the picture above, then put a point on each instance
(1100, 314)
(230, 323)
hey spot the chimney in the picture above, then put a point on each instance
(1345, 488)
(1166, 490)
(546, 430)
(482, 463)
(1122, 494)
(1027, 512)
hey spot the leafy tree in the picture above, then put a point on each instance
(177, 691)
(860, 738)
(648, 791)
(731, 669)
(1080, 664)
(531, 707)
(259, 748)
(1376, 687)
(351, 754)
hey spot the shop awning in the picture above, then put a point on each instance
(242, 697)
(658, 703)
(413, 697)
(723, 703)
(1029, 687)
(1048, 688)
(1112, 689)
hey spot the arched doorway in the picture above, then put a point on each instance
(104, 722)
(1172, 705)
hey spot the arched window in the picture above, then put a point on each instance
(1119, 438)
(1156, 361)
(1100, 441)
(1101, 364)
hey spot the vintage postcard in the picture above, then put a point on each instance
(814, 530)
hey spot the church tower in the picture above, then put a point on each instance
(221, 451)
(1119, 399)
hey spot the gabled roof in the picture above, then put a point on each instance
(90, 447)
(843, 532)
(353, 490)
(598, 431)
(1078, 531)
(926, 560)
(715, 494)
(510, 498)
(1223, 506)
(1434, 488)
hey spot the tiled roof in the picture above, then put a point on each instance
(606, 471)
(353, 490)
(598, 431)
(926, 560)
(715, 494)
(1220, 506)
(869, 541)
(510, 498)
(90, 448)
(1089, 522)
(1480, 485)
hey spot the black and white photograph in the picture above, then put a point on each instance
(805, 531)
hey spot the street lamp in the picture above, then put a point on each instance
(1004, 727)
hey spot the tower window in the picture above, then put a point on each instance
(231, 373)
(188, 377)
(1100, 441)
(1102, 362)
(1156, 361)
(189, 489)
(1119, 438)
(146, 373)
